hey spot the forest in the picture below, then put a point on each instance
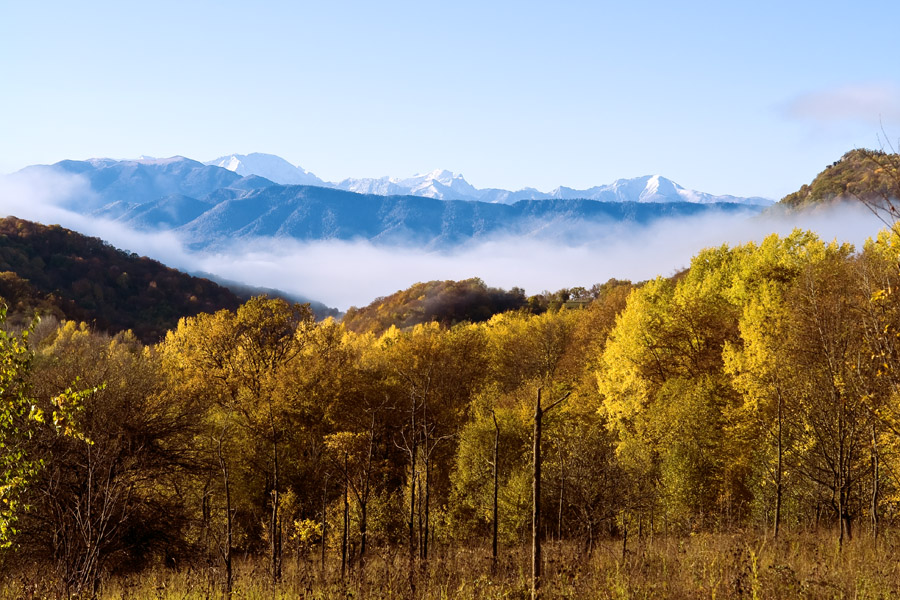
(731, 431)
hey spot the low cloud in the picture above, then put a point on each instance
(869, 103)
(342, 273)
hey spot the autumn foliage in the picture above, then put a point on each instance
(753, 397)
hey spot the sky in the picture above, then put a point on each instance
(749, 99)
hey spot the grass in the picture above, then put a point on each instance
(720, 566)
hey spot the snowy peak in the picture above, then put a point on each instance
(445, 185)
(274, 168)
(440, 184)
(646, 189)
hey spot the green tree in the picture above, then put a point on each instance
(23, 419)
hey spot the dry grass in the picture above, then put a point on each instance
(720, 566)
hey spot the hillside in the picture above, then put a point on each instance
(469, 300)
(72, 276)
(859, 174)
(448, 302)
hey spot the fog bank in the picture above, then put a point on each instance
(342, 273)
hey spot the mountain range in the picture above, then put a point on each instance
(211, 206)
(243, 197)
(445, 185)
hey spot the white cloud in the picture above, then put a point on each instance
(869, 103)
(342, 273)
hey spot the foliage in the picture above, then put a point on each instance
(859, 174)
(22, 419)
(69, 275)
(757, 389)
(446, 302)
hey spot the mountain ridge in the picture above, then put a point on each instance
(446, 185)
(210, 206)
(860, 174)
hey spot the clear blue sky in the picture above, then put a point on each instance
(749, 98)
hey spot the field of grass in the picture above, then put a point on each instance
(720, 566)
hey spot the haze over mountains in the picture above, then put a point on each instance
(245, 197)
(345, 248)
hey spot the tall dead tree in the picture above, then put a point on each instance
(229, 541)
(539, 413)
(496, 470)
(345, 536)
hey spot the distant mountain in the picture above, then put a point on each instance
(116, 186)
(439, 184)
(309, 213)
(273, 168)
(858, 175)
(212, 205)
(122, 184)
(445, 185)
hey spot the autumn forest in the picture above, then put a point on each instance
(730, 431)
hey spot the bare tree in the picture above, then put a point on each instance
(536, 558)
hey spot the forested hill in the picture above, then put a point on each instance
(471, 300)
(859, 174)
(72, 276)
(447, 302)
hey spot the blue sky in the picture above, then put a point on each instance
(740, 98)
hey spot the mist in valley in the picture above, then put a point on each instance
(353, 273)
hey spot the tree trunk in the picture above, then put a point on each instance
(226, 554)
(536, 495)
(364, 497)
(324, 522)
(496, 481)
(562, 487)
(778, 473)
(842, 508)
(275, 525)
(875, 466)
(363, 531)
(345, 533)
(426, 499)
(536, 502)
(411, 524)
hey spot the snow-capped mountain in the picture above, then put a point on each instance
(445, 185)
(211, 205)
(439, 184)
(274, 168)
(650, 188)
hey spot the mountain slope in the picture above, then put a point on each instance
(83, 278)
(448, 302)
(859, 174)
(308, 213)
(134, 182)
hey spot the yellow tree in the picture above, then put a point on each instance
(665, 394)
(238, 358)
(434, 373)
(824, 354)
(767, 418)
(110, 498)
